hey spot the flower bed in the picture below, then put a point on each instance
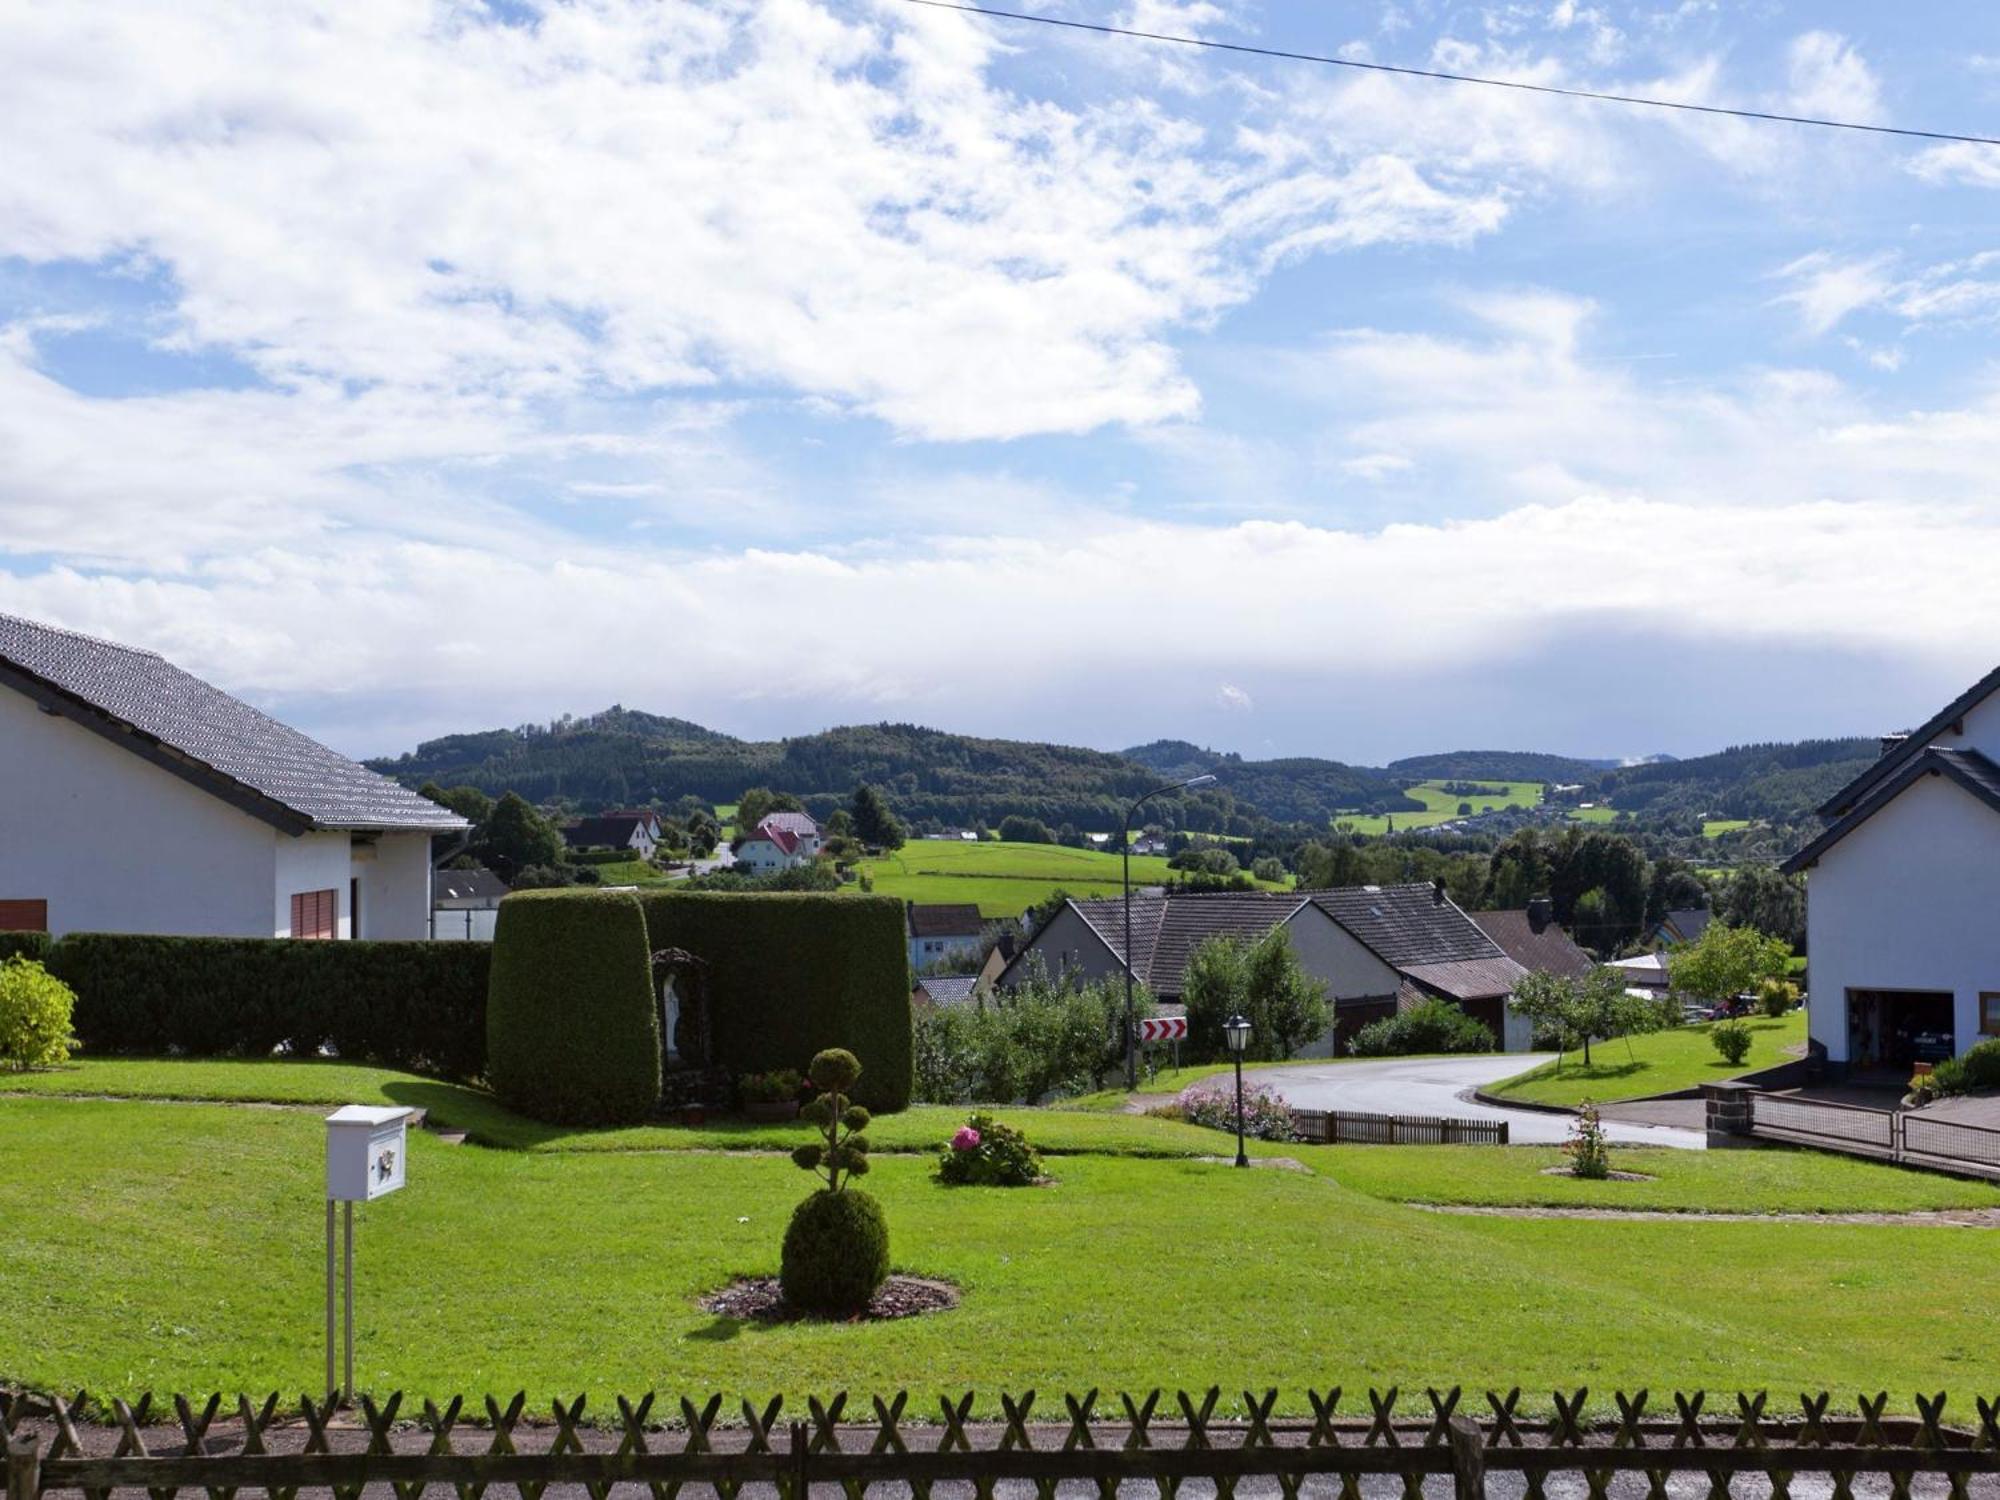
(1265, 1115)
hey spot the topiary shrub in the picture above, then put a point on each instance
(790, 973)
(985, 1153)
(572, 1027)
(836, 1250)
(1732, 1040)
(35, 1010)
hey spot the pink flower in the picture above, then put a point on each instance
(966, 1139)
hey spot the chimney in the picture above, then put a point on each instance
(1541, 911)
(1437, 892)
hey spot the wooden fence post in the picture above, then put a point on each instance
(1468, 1459)
(800, 1485)
(24, 1467)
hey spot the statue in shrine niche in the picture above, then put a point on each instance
(690, 1080)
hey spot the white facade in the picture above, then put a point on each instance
(760, 856)
(925, 951)
(114, 843)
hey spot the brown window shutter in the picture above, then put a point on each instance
(313, 914)
(24, 916)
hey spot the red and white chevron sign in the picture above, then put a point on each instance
(1163, 1029)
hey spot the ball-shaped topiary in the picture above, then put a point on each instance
(836, 1253)
(572, 1025)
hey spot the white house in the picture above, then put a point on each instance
(942, 931)
(636, 831)
(782, 840)
(137, 798)
(1377, 949)
(465, 905)
(1903, 896)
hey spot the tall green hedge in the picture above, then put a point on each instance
(33, 945)
(572, 1025)
(791, 973)
(416, 1005)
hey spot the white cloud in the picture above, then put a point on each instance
(1826, 289)
(1830, 79)
(1234, 698)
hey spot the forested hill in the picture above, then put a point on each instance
(1498, 765)
(1298, 789)
(1782, 782)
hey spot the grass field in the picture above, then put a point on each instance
(1005, 879)
(1597, 814)
(630, 872)
(1666, 1060)
(1441, 806)
(1715, 828)
(191, 1261)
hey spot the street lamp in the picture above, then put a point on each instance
(1236, 1031)
(1125, 845)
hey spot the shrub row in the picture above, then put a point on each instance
(574, 1024)
(33, 945)
(415, 1005)
(793, 973)
(1430, 1026)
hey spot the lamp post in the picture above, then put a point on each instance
(1125, 848)
(1236, 1031)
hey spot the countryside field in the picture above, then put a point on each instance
(1441, 806)
(1006, 879)
(192, 1262)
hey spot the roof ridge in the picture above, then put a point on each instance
(80, 635)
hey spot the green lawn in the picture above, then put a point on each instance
(177, 1247)
(1596, 814)
(1005, 879)
(1660, 1063)
(1715, 828)
(630, 872)
(1441, 806)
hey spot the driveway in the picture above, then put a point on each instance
(1443, 1086)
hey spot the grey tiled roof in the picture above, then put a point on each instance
(1167, 929)
(1969, 768)
(1407, 924)
(944, 919)
(948, 989)
(1468, 979)
(1549, 950)
(217, 740)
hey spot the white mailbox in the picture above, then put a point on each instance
(367, 1150)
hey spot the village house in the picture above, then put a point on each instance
(465, 905)
(138, 798)
(637, 831)
(1678, 927)
(1377, 949)
(938, 933)
(780, 842)
(1901, 894)
(1533, 940)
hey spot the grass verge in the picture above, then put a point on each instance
(1659, 1063)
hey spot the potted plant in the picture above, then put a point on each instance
(770, 1097)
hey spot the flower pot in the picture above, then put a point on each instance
(771, 1111)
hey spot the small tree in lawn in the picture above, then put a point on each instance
(1580, 1011)
(836, 1250)
(1725, 961)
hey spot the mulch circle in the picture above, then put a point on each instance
(757, 1299)
(1611, 1176)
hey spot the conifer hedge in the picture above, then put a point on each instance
(572, 1025)
(793, 973)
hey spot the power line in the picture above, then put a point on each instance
(1432, 73)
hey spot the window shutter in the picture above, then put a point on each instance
(313, 914)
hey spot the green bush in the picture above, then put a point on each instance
(1732, 1040)
(985, 1153)
(35, 1012)
(33, 945)
(791, 973)
(415, 1005)
(572, 1025)
(1776, 996)
(778, 1086)
(1431, 1026)
(1588, 1150)
(836, 1253)
(1042, 1040)
(1981, 1065)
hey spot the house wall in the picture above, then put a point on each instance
(1068, 943)
(114, 843)
(311, 862)
(1907, 901)
(929, 950)
(395, 886)
(1350, 972)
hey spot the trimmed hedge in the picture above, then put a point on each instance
(415, 1005)
(791, 973)
(33, 945)
(572, 1026)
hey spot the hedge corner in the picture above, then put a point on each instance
(573, 1032)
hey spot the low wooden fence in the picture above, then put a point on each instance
(1341, 1126)
(51, 1448)
(1912, 1136)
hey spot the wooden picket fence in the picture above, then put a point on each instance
(1338, 1126)
(52, 1448)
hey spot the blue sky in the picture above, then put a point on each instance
(412, 368)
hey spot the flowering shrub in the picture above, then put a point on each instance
(1588, 1151)
(986, 1153)
(1265, 1115)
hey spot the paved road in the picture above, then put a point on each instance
(1443, 1086)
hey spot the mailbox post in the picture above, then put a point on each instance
(366, 1157)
